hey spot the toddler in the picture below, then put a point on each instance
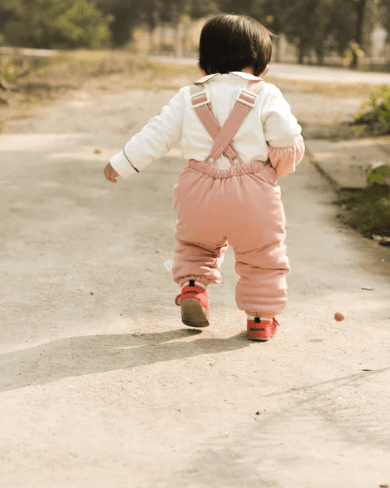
(238, 134)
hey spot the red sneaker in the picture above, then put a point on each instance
(261, 330)
(194, 304)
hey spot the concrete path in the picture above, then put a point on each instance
(307, 73)
(101, 385)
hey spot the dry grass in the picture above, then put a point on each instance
(94, 71)
(128, 69)
(335, 90)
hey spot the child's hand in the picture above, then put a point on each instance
(110, 173)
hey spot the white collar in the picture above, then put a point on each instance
(241, 74)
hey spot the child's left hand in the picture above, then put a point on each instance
(110, 173)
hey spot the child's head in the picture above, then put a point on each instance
(233, 43)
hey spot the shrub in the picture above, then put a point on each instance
(377, 117)
(56, 24)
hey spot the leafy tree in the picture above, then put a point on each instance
(317, 24)
(348, 21)
(360, 11)
(125, 15)
(55, 24)
(341, 26)
(384, 14)
(202, 8)
(5, 15)
(299, 23)
(242, 7)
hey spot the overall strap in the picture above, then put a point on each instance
(201, 103)
(245, 102)
(223, 136)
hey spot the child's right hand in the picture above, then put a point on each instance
(110, 173)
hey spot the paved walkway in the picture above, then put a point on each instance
(102, 386)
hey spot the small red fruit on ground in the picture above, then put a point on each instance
(339, 316)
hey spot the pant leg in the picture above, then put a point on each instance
(262, 291)
(201, 242)
(257, 235)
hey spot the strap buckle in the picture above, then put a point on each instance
(203, 102)
(243, 98)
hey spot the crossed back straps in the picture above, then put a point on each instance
(224, 135)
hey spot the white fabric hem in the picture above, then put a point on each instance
(122, 166)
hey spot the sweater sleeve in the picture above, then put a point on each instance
(156, 138)
(280, 126)
(284, 159)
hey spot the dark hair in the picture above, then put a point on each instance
(232, 43)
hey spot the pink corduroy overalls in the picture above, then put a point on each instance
(240, 206)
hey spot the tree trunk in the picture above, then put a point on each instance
(277, 49)
(301, 53)
(178, 41)
(360, 10)
(151, 41)
(320, 54)
(320, 34)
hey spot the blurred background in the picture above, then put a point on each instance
(351, 33)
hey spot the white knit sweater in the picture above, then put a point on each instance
(269, 123)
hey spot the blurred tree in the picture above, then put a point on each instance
(127, 14)
(57, 24)
(202, 8)
(254, 8)
(384, 14)
(360, 11)
(300, 21)
(341, 26)
(314, 24)
(349, 19)
(5, 15)
(152, 13)
(274, 19)
(124, 18)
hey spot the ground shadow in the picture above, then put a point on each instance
(78, 356)
(335, 382)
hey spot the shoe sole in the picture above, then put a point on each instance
(260, 339)
(193, 314)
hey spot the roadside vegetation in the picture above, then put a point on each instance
(368, 211)
(374, 120)
(336, 27)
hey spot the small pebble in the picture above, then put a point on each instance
(338, 316)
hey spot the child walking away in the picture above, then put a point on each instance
(238, 135)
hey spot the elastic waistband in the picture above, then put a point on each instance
(217, 173)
